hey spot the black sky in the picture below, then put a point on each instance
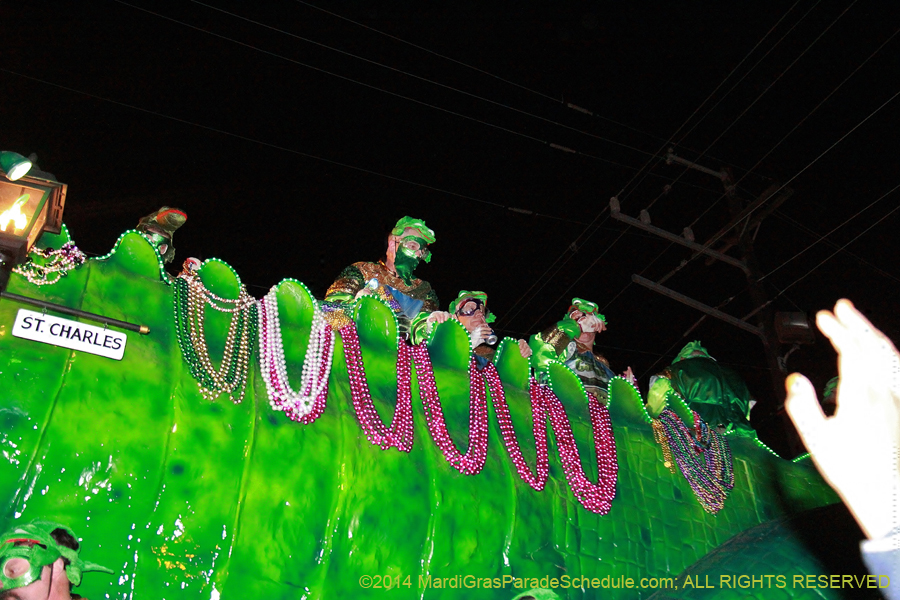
(293, 159)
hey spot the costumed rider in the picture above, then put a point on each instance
(716, 393)
(41, 560)
(159, 227)
(571, 341)
(470, 309)
(411, 299)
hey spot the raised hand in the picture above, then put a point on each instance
(858, 449)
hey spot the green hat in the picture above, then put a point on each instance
(587, 307)
(692, 350)
(418, 224)
(489, 317)
(42, 551)
(159, 227)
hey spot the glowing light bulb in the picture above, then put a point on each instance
(15, 216)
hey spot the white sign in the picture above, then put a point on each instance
(57, 331)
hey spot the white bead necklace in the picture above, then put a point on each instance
(298, 405)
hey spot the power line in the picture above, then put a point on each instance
(425, 79)
(482, 71)
(833, 254)
(286, 149)
(809, 114)
(823, 101)
(803, 120)
(684, 124)
(376, 88)
(750, 70)
(555, 100)
(842, 224)
(814, 161)
(734, 122)
(544, 142)
(759, 97)
(780, 215)
(781, 292)
(621, 193)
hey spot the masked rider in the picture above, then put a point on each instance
(41, 560)
(571, 341)
(159, 227)
(470, 309)
(411, 299)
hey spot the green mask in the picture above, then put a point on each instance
(35, 555)
(39, 549)
(489, 317)
(417, 224)
(405, 262)
(692, 350)
(587, 307)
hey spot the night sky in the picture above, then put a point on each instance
(294, 138)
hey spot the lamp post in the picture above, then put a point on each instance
(29, 206)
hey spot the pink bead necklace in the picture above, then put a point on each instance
(400, 434)
(595, 497)
(473, 460)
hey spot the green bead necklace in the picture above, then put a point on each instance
(191, 300)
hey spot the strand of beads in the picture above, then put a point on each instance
(704, 457)
(473, 460)
(318, 406)
(191, 300)
(306, 404)
(51, 265)
(596, 497)
(538, 415)
(400, 434)
(659, 435)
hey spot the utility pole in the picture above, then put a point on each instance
(740, 231)
(764, 317)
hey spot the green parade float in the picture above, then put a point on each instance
(266, 449)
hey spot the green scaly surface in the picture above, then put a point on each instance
(193, 499)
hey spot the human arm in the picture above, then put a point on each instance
(550, 343)
(524, 349)
(857, 449)
(424, 323)
(438, 316)
(346, 286)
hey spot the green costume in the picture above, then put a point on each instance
(717, 393)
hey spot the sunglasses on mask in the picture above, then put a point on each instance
(470, 307)
(417, 246)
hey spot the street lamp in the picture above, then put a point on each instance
(29, 206)
(14, 165)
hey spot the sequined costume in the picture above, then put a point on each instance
(410, 315)
(354, 278)
(558, 343)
